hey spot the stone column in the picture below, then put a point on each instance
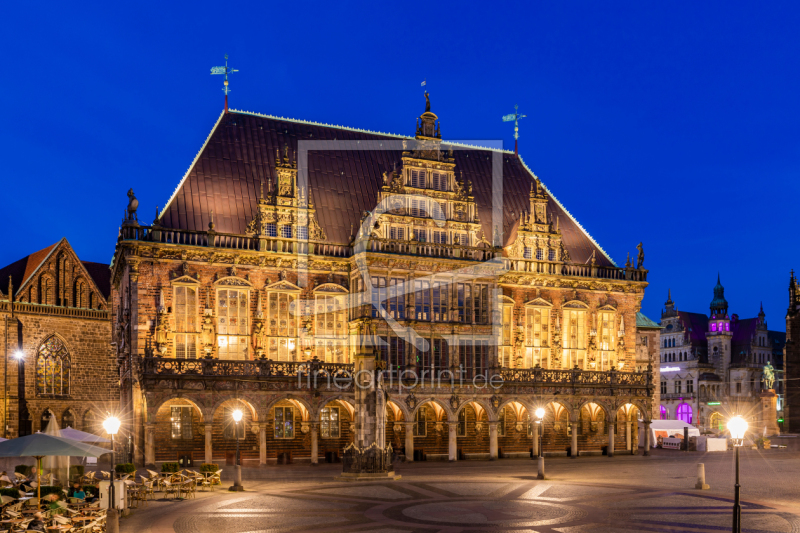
(409, 442)
(492, 441)
(314, 442)
(209, 450)
(628, 436)
(262, 443)
(452, 441)
(612, 431)
(574, 439)
(646, 437)
(535, 433)
(150, 444)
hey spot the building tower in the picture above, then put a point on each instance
(791, 359)
(719, 331)
(669, 306)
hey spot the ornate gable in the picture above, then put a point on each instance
(233, 281)
(331, 287)
(538, 302)
(283, 285)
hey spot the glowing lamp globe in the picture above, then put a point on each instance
(540, 413)
(237, 415)
(111, 425)
(737, 426)
(19, 355)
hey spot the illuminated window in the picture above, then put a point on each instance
(232, 317)
(422, 300)
(536, 336)
(185, 312)
(282, 326)
(181, 421)
(329, 423)
(574, 332)
(331, 328)
(302, 233)
(284, 422)
(52, 368)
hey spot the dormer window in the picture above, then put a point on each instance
(272, 229)
(714, 326)
(439, 181)
(418, 179)
(417, 207)
(528, 253)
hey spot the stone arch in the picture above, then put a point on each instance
(399, 407)
(152, 409)
(643, 408)
(442, 408)
(600, 404)
(306, 410)
(68, 418)
(242, 400)
(524, 404)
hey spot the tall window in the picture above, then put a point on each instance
(79, 298)
(677, 387)
(473, 357)
(606, 325)
(536, 330)
(232, 318)
(507, 339)
(397, 299)
(574, 333)
(439, 181)
(527, 253)
(185, 322)
(329, 423)
(393, 351)
(440, 356)
(284, 422)
(282, 326)
(690, 386)
(331, 328)
(181, 421)
(441, 301)
(272, 229)
(378, 296)
(473, 303)
(421, 422)
(52, 368)
(422, 300)
(663, 387)
(461, 429)
(418, 207)
(418, 179)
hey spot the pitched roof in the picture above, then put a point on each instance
(240, 152)
(643, 322)
(696, 325)
(22, 269)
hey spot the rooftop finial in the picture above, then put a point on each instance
(224, 70)
(515, 116)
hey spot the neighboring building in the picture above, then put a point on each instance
(55, 316)
(791, 361)
(712, 366)
(647, 350)
(263, 267)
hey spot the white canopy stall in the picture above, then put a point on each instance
(664, 429)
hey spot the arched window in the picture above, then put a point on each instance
(717, 423)
(664, 413)
(52, 368)
(68, 419)
(79, 298)
(45, 290)
(684, 412)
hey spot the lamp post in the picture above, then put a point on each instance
(540, 421)
(237, 469)
(737, 426)
(111, 425)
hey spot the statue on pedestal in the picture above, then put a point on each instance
(769, 376)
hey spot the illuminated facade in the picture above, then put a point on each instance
(289, 247)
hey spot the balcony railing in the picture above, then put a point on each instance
(265, 368)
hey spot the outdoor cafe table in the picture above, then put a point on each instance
(13, 521)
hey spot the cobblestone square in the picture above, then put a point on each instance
(592, 494)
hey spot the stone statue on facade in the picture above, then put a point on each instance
(133, 205)
(640, 259)
(769, 375)
(427, 102)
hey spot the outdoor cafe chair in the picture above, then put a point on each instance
(215, 477)
(106, 475)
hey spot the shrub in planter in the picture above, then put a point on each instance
(209, 467)
(25, 470)
(125, 468)
(170, 467)
(76, 472)
(50, 489)
(14, 493)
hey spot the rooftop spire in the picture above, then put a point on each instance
(514, 117)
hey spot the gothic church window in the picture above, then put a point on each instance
(52, 368)
(185, 310)
(232, 320)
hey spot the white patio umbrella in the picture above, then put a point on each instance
(41, 445)
(58, 465)
(82, 436)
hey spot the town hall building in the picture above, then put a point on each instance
(289, 247)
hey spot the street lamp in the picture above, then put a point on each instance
(540, 421)
(237, 469)
(737, 426)
(111, 425)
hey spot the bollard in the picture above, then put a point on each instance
(112, 521)
(541, 468)
(237, 479)
(701, 477)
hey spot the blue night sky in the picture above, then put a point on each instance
(671, 124)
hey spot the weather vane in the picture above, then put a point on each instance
(224, 70)
(515, 116)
